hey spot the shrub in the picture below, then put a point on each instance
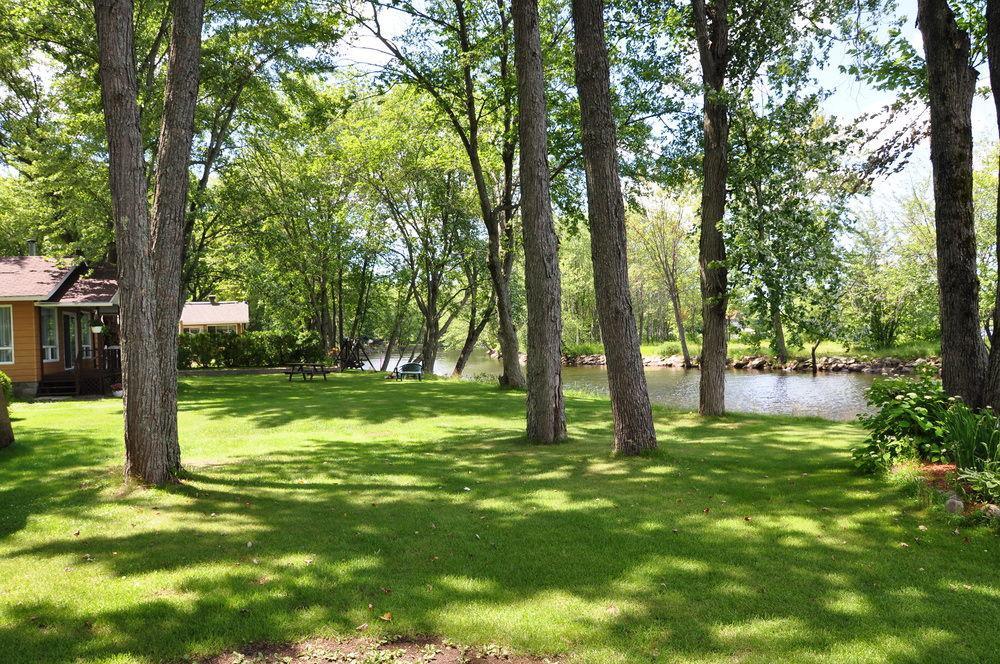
(587, 348)
(248, 350)
(7, 385)
(879, 454)
(910, 421)
(974, 438)
(985, 482)
(669, 348)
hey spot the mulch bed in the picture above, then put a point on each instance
(941, 476)
(355, 651)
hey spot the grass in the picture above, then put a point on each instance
(311, 509)
(738, 349)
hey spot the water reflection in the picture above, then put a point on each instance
(838, 396)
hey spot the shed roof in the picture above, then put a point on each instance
(217, 313)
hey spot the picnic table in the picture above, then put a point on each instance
(308, 370)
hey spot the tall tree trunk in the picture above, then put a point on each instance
(397, 327)
(633, 419)
(675, 301)
(951, 85)
(510, 354)
(778, 330)
(472, 337)
(6, 429)
(546, 413)
(713, 47)
(150, 248)
(992, 397)
(340, 302)
(432, 339)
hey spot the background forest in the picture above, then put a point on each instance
(339, 187)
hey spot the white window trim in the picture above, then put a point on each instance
(54, 317)
(13, 359)
(86, 337)
(71, 355)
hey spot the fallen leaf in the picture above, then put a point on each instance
(904, 545)
(387, 616)
(362, 627)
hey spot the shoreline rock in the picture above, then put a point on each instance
(880, 366)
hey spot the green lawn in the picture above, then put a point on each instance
(306, 503)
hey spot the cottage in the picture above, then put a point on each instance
(214, 316)
(58, 326)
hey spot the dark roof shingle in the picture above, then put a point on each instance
(98, 288)
(31, 277)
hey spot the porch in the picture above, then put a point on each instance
(86, 378)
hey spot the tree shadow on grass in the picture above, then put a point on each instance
(472, 535)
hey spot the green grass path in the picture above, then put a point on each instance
(307, 503)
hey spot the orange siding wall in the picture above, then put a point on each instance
(27, 344)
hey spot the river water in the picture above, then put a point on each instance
(837, 396)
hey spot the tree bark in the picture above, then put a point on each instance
(633, 420)
(675, 302)
(778, 331)
(951, 85)
(546, 413)
(992, 396)
(472, 337)
(712, 31)
(510, 354)
(397, 328)
(149, 247)
(6, 429)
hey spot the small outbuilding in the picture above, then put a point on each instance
(214, 316)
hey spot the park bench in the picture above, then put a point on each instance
(412, 369)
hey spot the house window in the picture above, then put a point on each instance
(215, 329)
(6, 334)
(86, 337)
(193, 330)
(50, 336)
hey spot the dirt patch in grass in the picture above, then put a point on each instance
(368, 651)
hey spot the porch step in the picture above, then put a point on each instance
(57, 388)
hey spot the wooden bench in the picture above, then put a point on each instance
(412, 369)
(308, 370)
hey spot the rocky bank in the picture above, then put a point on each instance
(883, 366)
